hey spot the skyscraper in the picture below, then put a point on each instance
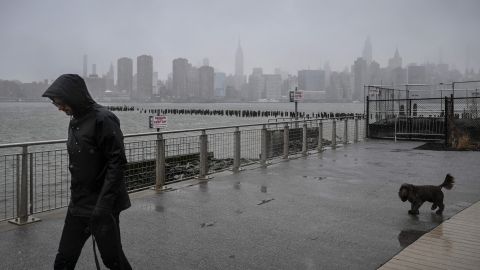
(206, 75)
(416, 74)
(273, 86)
(396, 61)
(125, 75)
(179, 77)
(239, 76)
(311, 80)
(110, 79)
(219, 84)
(367, 51)
(359, 78)
(256, 85)
(85, 66)
(144, 76)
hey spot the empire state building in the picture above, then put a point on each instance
(239, 77)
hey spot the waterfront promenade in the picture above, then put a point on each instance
(335, 210)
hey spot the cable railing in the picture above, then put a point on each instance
(34, 176)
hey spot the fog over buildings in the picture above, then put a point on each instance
(240, 40)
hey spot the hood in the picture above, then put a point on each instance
(72, 90)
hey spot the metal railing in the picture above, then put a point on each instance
(34, 176)
(424, 128)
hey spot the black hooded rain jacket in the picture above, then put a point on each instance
(95, 149)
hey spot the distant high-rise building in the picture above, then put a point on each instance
(374, 73)
(94, 69)
(85, 66)
(239, 76)
(399, 76)
(256, 85)
(328, 72)
(110, 79)
(144, 76)
(339, 86)
(206, 62)
(220, 84)
(273, 86)
(155, 83)
(193, 82)
(416, 74)
(359, 78)
(367, 51)
(206, 75)
(311, 80)
(125, 75)
(96, 85)
(179, 77)
(396, 61)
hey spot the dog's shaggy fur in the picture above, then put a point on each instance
(417, 195)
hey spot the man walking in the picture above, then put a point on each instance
(96, 163)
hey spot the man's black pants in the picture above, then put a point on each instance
(78, 229)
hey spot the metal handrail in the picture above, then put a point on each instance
(9, 145)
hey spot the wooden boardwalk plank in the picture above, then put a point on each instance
(454, 244)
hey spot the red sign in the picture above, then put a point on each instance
(158, 121)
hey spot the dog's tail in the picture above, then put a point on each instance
(448, 183)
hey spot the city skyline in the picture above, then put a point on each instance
(291, 35)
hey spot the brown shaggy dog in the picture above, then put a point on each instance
(417, 195)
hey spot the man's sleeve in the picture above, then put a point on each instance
(110, 142)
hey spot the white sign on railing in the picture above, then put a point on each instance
(158, 121)
(298, 95)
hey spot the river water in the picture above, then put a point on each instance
(37, 121)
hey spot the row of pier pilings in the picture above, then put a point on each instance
(236, 113)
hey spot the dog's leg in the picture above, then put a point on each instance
(441, 206)
(415, 206)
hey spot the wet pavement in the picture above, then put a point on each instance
(336, 210)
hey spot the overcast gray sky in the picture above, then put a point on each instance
(42, 39)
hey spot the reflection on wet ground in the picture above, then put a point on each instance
(203, 186)
(149, 207)
(319, 178)
(237, 185)
(407, 237)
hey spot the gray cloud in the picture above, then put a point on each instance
(41, 39)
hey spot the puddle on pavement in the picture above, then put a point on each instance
(399, 150)
(149, 207)
(207, 224)
(407, 237)
(318, 178)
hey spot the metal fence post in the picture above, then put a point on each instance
(345, 132)
(304, 139)
(236, 150)
(367, 119)
(286, 141)
(23, 190)
(263, 154)
(160, 163)
(334, 134)
(320, 136)
(30, 195)
(355, 136)
(203, 156)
